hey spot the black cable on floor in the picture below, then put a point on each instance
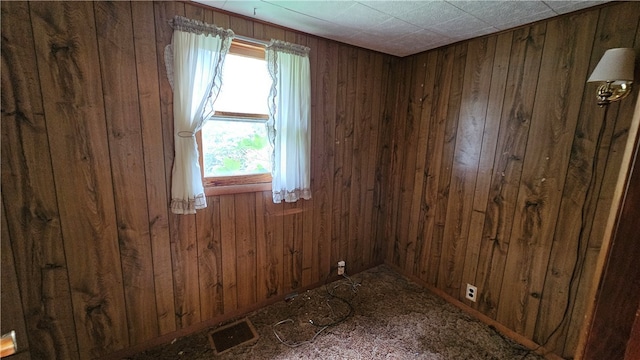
(322, 327)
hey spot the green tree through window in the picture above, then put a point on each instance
(234, 140)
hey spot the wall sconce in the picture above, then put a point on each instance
(615, 69)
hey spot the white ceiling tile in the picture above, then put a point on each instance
(268, 12)
(399, 27)
(471, 34)
(325, 10)
(424, 38)
(394, 8)
(390, 28)
(314, 26)
(246, 8)
(524, 20)
(431, 13)
(360, 16)
(337, 33)
(563, 7)
(500, 12)
(419, 41)
(386, 47)
(465, 24)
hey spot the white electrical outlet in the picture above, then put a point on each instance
(341, 265)
(472, 292)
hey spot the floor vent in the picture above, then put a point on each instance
(231, 335)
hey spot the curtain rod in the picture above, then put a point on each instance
(251, 40)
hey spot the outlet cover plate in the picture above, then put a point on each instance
(471, 293)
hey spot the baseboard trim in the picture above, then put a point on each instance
(520, 339)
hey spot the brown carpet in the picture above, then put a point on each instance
(391, 318)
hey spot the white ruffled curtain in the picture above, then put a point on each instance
(194, 67)
(289, 124)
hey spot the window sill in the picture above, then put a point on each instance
(237, 184)
(211, 190)
(225, 185)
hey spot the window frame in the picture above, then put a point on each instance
(221, 185)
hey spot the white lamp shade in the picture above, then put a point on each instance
(615, 65)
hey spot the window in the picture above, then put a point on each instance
(234, 144)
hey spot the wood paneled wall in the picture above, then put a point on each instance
(484, 162)
(92, 260)
(502, 169)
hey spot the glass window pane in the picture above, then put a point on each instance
(245, 86)
(235, 148)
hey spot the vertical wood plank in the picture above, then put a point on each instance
(221, 19)
(269, 247)
(522, 77)
(395, 163)
(266, 32)
(443, 73)
(184, 258)
(31, 219)
(117, 63)
(373, 129)
(383, 190)
(393, 126)
(345, 249)
(323, 129)
(262, 249)
(208, 15)
(210, 259)
(291, 36)
(361, 119)
(289, 247)
(13, 316)
(194, 12)
(352, 235)
(68, 66)
(409, 141)
(487, 157)
(340, 151)
(423, 101)
(228, 240)
(471, 121)
(241, 26)
(406, 140)
(293, 245)
(448, 146)
(427, 99)
(308, 242)
(552, 125)
(156, 185)
(246, 248)
(372, 248)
